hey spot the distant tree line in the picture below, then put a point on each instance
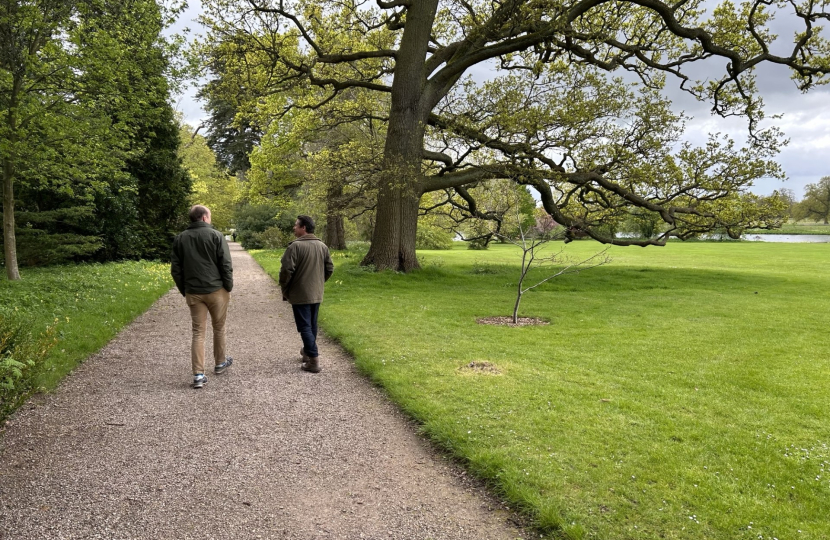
(815, 205)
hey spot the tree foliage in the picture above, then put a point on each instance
(213, 186)
(89, 163)
(230, 96)
(259, 225)
(484, 211)
(593, 147)
(816, 202)
(164, 185)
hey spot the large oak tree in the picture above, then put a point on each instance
(550, 116)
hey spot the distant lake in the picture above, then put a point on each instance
(782, 238)
(788, 238)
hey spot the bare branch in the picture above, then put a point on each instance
(438, 156)
(467, 176)
(193, 136)
(352, 57)
(576, 267)
(391, 4)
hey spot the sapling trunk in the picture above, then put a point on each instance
(516, 307)
(525, 268)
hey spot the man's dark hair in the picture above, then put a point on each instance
(307, 222)
(197, 212)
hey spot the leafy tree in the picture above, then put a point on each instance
(787, 197)
(51, 136)
(82, 99)
(643, 224)
(339, 168)
(232, 140)
(164, 185)
(488, 210)
(325, 159)
(593, 147)
(435, 231)
(816, 202)
(212, 185)
(232, 134)
(160, 184)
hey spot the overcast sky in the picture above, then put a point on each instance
(805, 119)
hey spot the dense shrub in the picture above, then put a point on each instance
(254, 221)
(22, 357)
(431, 237)
(250, 239)
(479, 243)
(275, 238)
(36, 247)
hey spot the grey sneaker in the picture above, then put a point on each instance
(221, 368)
(199, 380)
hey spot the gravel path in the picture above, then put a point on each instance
(125, 449)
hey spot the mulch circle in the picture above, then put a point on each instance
(508, 321)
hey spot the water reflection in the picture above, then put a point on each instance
(788, 238)
(783, 238)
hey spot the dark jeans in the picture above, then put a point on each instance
(305, 316)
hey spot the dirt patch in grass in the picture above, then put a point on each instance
(481, 367)
(508, 321)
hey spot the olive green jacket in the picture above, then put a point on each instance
(306, 266)
(201, 261)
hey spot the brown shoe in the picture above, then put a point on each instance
(303, 357)
(311, 364)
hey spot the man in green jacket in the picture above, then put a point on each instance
(305, 267)
(203, 272)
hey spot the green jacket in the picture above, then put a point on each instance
(201, 261)
(306, 266)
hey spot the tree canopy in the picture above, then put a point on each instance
(87, 137)
(548, 113)
(213, 186)
(816, 202)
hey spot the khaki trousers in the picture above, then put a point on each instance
(215, 303)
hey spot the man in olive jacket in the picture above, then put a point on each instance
(202, 269)
(306, 266)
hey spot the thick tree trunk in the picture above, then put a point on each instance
(9, 240)
(335, 231)
(400, 188)
(393, 240)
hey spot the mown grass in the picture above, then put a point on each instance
(84, 304)
(679, 392)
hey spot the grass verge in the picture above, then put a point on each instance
(77, 309)
(679, 392)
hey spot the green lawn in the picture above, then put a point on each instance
(85, 304)
(679, 392)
